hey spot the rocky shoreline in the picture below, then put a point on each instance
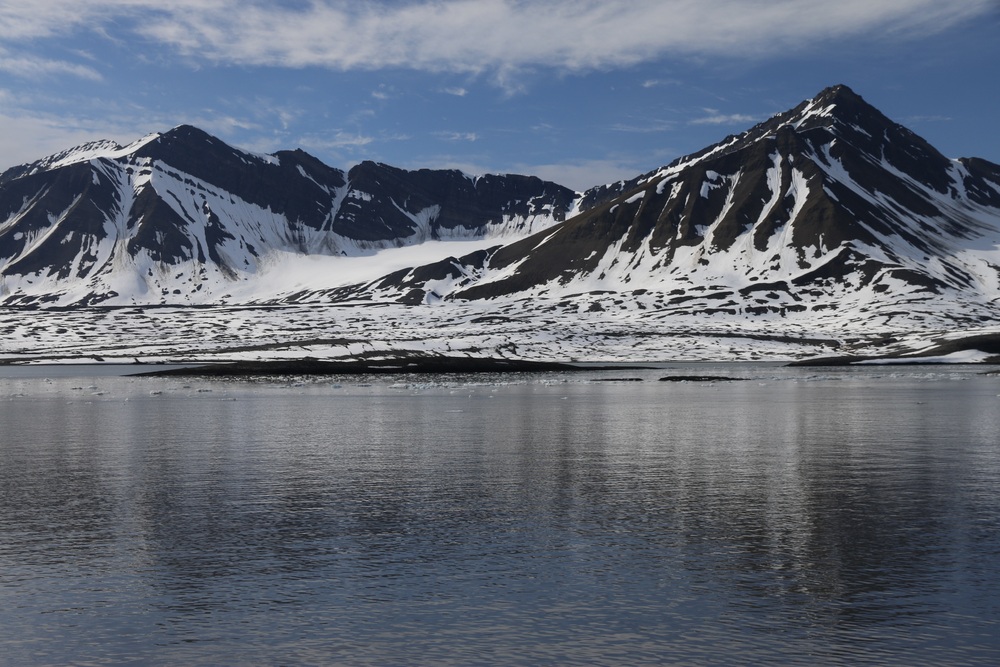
(986, 345)
(436, 365)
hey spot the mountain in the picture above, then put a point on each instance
(182, 216)
(828, 228)
(830, 207)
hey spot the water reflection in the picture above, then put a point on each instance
(841, 521)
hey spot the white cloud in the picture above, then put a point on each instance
(338, 140)
(383, 92)
(927, 119)
(50, 18)
(649, 126)
(342, 140)
(32, 68)
(498, 37)
(286, 116)
(654, 83)
(457, 136)
(30, 136)
(716, 118)
(457, 92)
(221, 124)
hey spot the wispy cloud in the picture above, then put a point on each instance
(713, 117)
(655, 83)
(33, 68)
(457, 136)
(338, 140)
(27, 138)
(221, 124)
(645, 127)
(29, 134)
(496, 37)
(916, 120)
(24, 21)
(457, 92)
(341, 140)
(383, 92)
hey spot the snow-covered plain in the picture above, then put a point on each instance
(552, 329)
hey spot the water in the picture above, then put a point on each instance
(849, 516)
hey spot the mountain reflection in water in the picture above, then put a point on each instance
(849, 518)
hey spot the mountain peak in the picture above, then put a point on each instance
(187, 136)
(185, 131)
(836, 106)
(198, 153)
(839, 94)
(836, 111)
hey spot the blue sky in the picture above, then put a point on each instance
(578, 91)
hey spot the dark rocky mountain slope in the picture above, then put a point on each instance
(829, 205)
(109, 223)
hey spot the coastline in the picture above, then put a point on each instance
(408, 365)
(979, 349)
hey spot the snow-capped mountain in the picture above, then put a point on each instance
(182, 217)
(828, 229)
(829, 207)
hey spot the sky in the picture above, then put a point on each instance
(582, 92)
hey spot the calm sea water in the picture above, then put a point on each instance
(801, 517)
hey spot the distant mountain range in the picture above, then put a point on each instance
(102, 223)
(828, 214)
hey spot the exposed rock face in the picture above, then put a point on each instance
(385, 201)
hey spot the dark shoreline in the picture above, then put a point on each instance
(831, 362)
(431, 365)
(986, 343)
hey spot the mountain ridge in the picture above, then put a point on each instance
(829, 220)
(184, 202)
